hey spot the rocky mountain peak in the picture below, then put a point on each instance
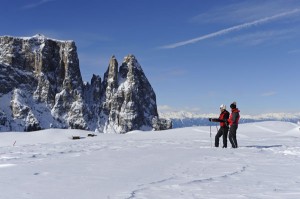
(131, 62)
(41, 36)
(43, 87)
(110, 81)
(129, 58)
(132, 104)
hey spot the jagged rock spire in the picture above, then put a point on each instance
(111, 77)
(133, 105)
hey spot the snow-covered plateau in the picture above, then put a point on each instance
(170, 164)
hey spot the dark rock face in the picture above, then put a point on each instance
(42, 87)
(161, 124)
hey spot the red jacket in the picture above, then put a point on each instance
(234, 117)
(224, 115)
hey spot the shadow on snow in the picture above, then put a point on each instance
(264, 147)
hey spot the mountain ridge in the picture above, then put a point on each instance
(187, 119)
(43, 88)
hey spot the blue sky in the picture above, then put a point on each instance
(197, 54)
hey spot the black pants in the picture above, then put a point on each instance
(223, 131)
(232, 136)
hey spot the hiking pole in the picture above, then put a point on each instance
(210, 134)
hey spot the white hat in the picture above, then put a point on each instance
(223, 107)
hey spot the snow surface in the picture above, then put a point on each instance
(178, 163)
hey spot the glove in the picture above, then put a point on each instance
(209, 119)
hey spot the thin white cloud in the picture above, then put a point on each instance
(257, 38)
(232, 29)
(268, 94)
(39, 3)
(243, 11)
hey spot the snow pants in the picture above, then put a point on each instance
(232, 136)
(223, 131)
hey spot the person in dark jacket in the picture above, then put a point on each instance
(223, 131)
(233, 122)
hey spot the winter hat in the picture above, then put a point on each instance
(233, 105)
(223, 107)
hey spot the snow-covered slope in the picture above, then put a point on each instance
(185, 119)
(177, 164)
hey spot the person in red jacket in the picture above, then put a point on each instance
(223, 131)
(233, 122)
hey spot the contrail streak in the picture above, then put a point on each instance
(232, 29)
(37, 4)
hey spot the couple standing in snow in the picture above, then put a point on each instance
(227, 122)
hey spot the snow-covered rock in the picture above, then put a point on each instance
(42, 87)
(129, 100)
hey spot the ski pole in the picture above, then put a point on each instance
(210, 134)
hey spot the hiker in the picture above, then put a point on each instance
(223, 131)
(233, 123)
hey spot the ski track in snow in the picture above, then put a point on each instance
(162, 184)
(243, 169)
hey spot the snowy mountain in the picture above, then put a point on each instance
(42, 87)
(178, 164)
(187, 119)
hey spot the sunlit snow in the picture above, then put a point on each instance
(178, 163)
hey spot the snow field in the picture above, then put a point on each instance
(178, 163)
